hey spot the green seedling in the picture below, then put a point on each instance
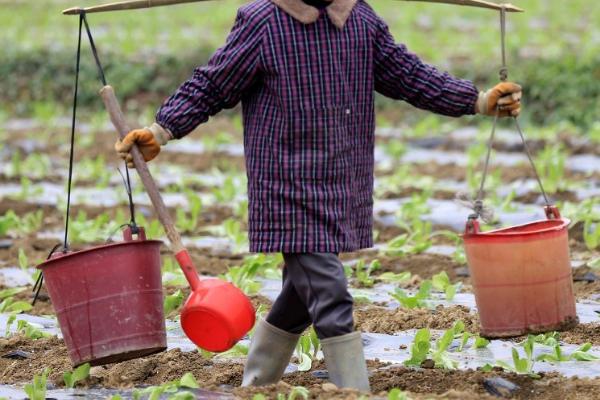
(241, 210)
(581, 354)
(243, 277)
(523, 366)
(173, 302)
(392, 277)
(188, 221)
(36, 390)
(4, 293)
(233, 230)
(23, 260)
(297, 392)
(591, 234)
(77, 375)
(9, 322)
(594, 263)
(212, 143)
(397, 394)
(459, 254)
(547, 339)
(362, 272)
(551, 167)
(9, 305)
(30, 331)
(478, 342)
(440, 354)
(28, 190)
(306, 350)
(239, 350)
(419, 349)
(419, 300)
(170, 388)
(442, 282)
(83, 229)
(227, 192)
(94, 170)
(8, 222)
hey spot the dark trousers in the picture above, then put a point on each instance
(315, 290)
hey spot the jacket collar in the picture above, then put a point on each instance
(338, 11)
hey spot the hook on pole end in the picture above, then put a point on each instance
(511, 8)
(73, 11)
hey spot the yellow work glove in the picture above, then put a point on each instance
(505, 96)
(148, 140)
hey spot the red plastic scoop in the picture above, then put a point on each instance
(217, 314)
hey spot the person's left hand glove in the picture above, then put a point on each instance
(504, 99)
(148, 140)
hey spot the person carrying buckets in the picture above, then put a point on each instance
(306, 73)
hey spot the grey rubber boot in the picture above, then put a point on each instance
(270, 352)
(345, 359)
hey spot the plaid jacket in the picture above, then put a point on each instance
(307, 93)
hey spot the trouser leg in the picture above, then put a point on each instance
(321, 285)
(276, 337)
(289, 312)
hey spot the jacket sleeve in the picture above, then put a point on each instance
(220, 84)
(401, 75)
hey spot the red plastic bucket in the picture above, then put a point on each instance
(109, 300)
(522, 277)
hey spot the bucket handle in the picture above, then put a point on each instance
(552, 212)
(128, 234)
(472, 227)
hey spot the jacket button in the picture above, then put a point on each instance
(347, 111)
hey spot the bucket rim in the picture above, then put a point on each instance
(556, 225)
(62, 256)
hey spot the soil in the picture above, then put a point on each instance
(382, 320)
(583, 333)
(224, 375)
(423, 265)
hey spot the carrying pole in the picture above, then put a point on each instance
(476, 3)
(126, 5)
(138, 4)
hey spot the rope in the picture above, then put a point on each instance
(479, 210)
(73, 122)
(132, 223)
(83, 22)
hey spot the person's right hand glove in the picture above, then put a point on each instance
(148, 141)
(504, 98)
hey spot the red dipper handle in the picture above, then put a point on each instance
(181, 254)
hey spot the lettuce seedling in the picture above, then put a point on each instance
(581, 354)
(173, 302)
(419, 300)
(419, 349)
(306, 350)
(9, 305)
(36, 390)
(591, 233)
(362, 272)
(78, 374)
(440, 355)
(393, 277)
(155, 392)
(442, 282)
(30, 331)
(522, 365)
(397, 394)
(296, 393)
